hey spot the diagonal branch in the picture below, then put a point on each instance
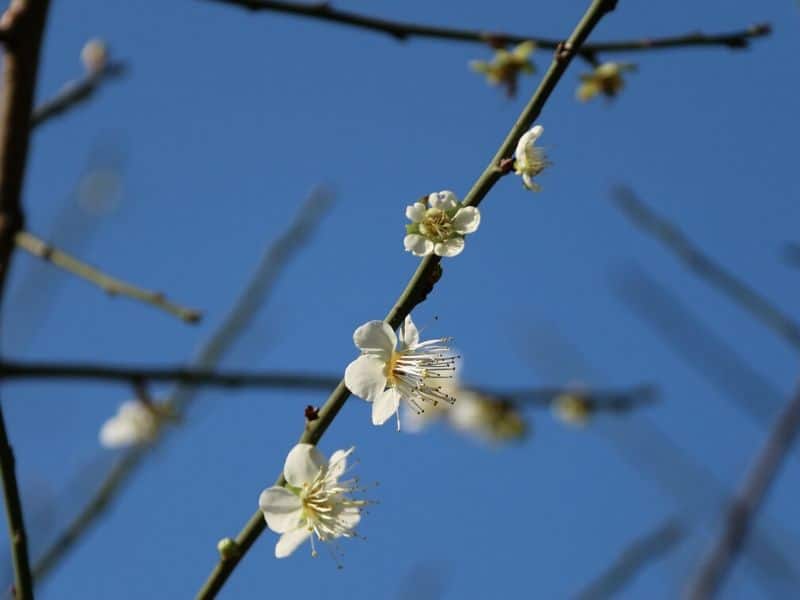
(427, 274)
(750, 498)
(725, 281)
(401, 30)
(111, 285)
(271, 265)
(76, 92)
(634, 558)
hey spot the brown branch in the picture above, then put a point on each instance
(737, 290)
(749, 499)
(23, 24)
(400, 30)
(611, 400)
(76, 92)
(633, 559)
(111, 285)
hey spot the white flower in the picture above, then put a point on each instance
(135, 423)
(413, 372)
(530, 160)
(439, 224)
(572, 408)
(94, 55)
(314, 501)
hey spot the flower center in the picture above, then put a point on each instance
(417, 372)
(325, 504)
(436, 225)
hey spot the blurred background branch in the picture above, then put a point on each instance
(276, 258)
(637, 556)
(703, 266)
(748, 500)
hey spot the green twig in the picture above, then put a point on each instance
(111, 285)
(425, 277)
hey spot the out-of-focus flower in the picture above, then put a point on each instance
(413, 372)
(572, 408)
(529, 159)
(505, 67)
(94, 55)
(606, 79)
(134, 424)
(439, 224)
(313, 503)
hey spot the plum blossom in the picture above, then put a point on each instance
(439, 224)
(505, 67)
(313, 502)
(135, 423)
(530, 160)
(386, 372)
(606, 79)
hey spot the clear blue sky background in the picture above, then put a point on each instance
(226, 121)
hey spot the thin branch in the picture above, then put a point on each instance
(634, 558)
(272, 263)
(400, 30)
(675, 241)
(611, 401)
(427, 274)
(111, 285)
(23, 23)
(749, 499)
(76, 92)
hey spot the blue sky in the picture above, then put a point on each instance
(226, 121)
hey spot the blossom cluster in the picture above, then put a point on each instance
(313, 501)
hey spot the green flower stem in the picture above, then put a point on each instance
(427, 273)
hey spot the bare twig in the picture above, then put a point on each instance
(722, 279)
(274, 261)
(634, 558)
(111, 285)
(427, 274)
(23, 24)
(76, 92)
(399, 30)
(750, 497)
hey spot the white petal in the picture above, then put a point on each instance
(415, 212)
(410, 333)
(282, 509)
(366, 377)
(527, 139)
(451, 247)
(338, 463)
(117, 432)
(444, 200)
(467, 219)
(375, 337)
(349, 517)
(303, 464)
(385, 406)
(290, 541)
(417, 244)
